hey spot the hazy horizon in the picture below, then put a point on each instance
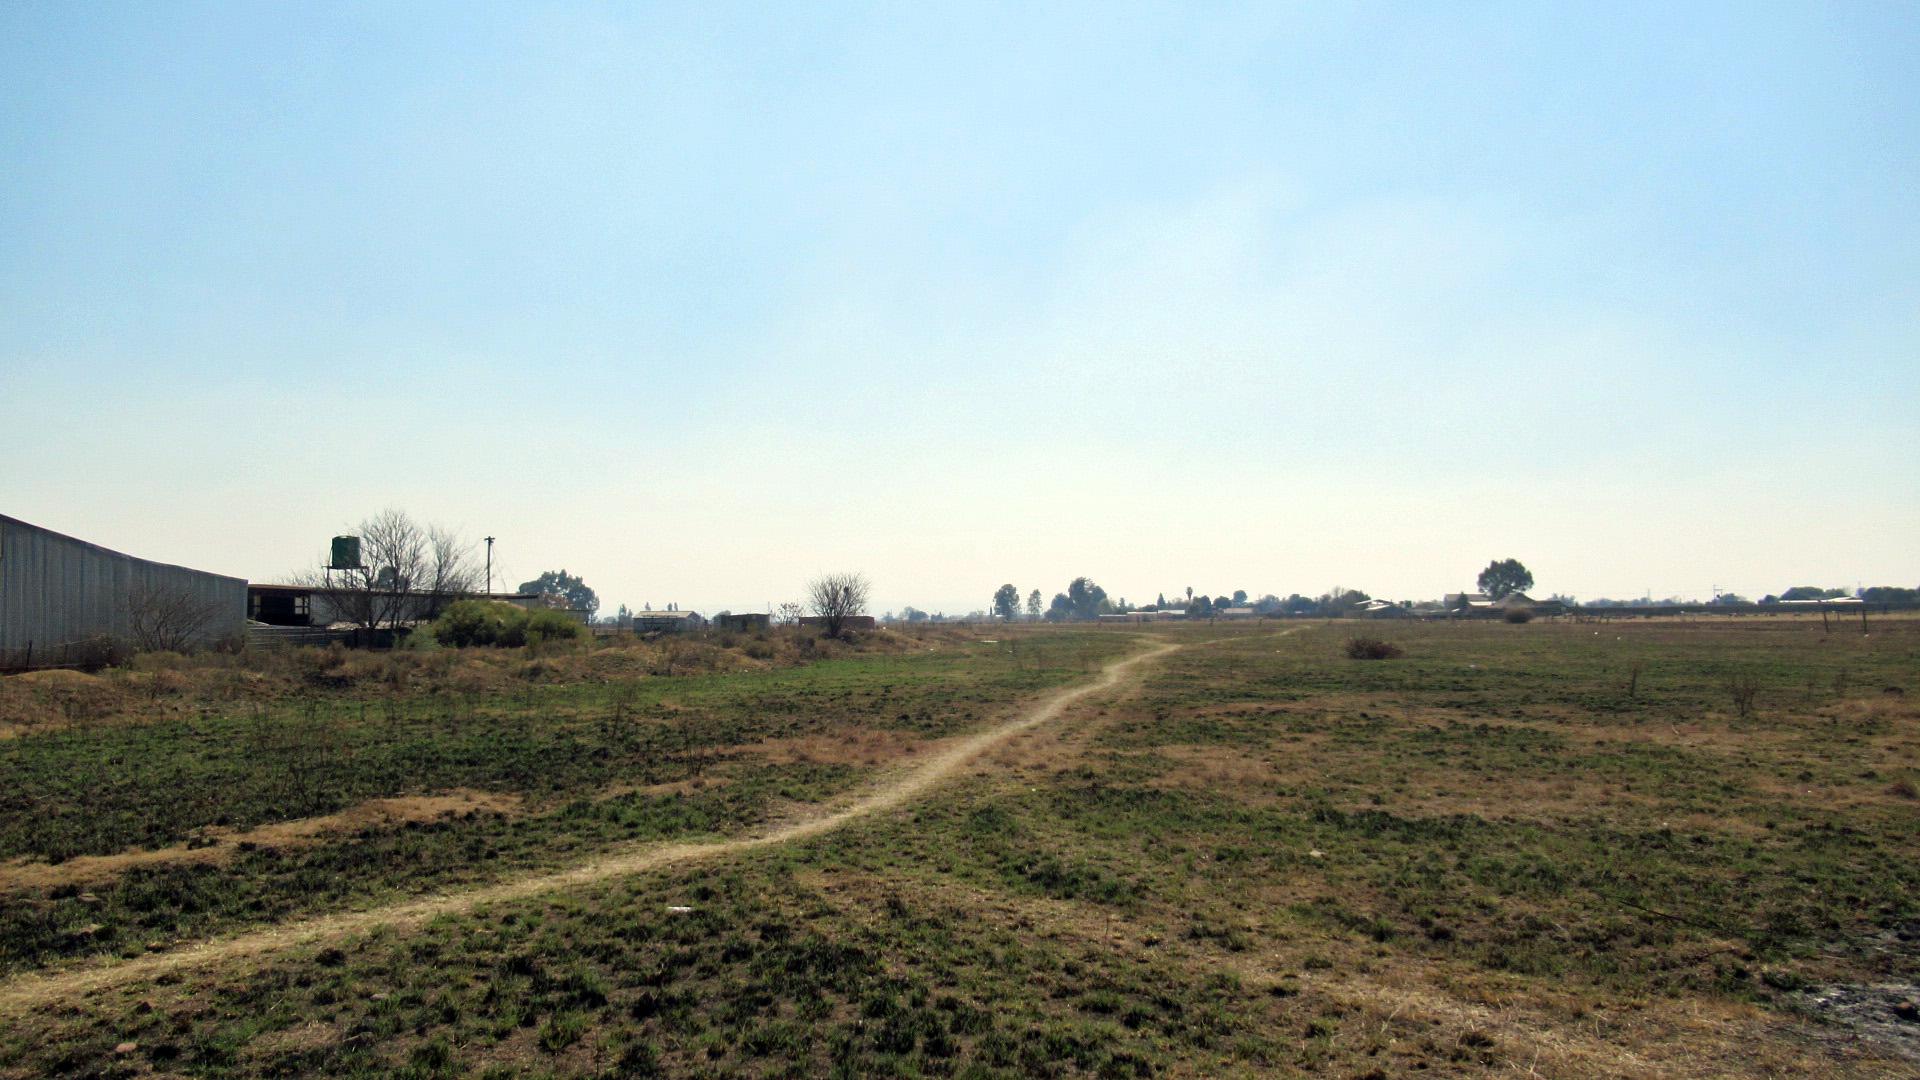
(700, 304)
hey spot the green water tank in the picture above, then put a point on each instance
(346, 553)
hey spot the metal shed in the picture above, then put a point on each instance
(60, 598)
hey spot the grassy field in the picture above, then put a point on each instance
(1633, 848)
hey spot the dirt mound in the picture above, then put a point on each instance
(62, 678)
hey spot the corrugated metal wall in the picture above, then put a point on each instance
(59, 596)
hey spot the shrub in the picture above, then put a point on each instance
(545, 626)
(1519, 615)
(1366, 648)
(466, 623)
(1742, 687)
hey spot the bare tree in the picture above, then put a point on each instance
(789, 613)
(408, 571)
(451, 572)
(836, 598)
(167, 618)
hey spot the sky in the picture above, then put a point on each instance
(700, 301)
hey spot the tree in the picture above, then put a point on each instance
(835, 598)
(1006, 602)
(1201, 608)
(561, 589)
(1221, 603)
(1503, 577)
(1061, 609)
(1341, 599)
(788, 613)
(168, 618)
(1086, 599)
(1811, 592)
(407, 572)
(1034, 604)
(1239, 598)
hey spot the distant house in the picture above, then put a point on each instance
(1235, 613)
(1382, 609)
(744, 622)
(667, 622)
(1514, 600)
(1482, 605)
(1143, 616)
(322, 606)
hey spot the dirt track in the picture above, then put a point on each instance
(39, 988)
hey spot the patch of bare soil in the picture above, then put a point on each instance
(1885, 1016)
(217, 845)
(1217, 768)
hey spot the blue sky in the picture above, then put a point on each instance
(697, 301)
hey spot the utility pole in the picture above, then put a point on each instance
(489, 566)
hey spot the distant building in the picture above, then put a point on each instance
(1383, 609)
(1235, 613)
(337, 606)
(667, 622)
(743, 622)
(1515, 600)
(1143, 616)
(1480, 604)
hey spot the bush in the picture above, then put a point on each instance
(545, 626)
(1519, 615)
(1366, 648)
(467, 623)
(1742, 687)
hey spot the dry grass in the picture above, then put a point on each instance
(219, 845)
(159, 686)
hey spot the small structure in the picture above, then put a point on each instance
(1383, 609)
(1143, 616)
(1235, 613)
(743, 622)
(667, 622)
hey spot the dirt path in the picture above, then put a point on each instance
(25, 992)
